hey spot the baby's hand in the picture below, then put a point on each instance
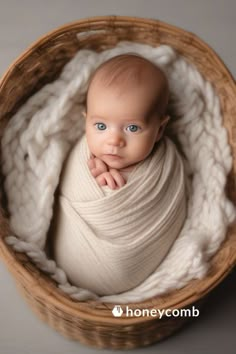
(103, 175)
(97, 166)
(112, 178)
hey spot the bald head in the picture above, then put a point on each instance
(128, 71)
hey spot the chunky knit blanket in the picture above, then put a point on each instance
(38, 138)
(109, 241)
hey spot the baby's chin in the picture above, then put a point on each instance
(118, 163)
(115, 162)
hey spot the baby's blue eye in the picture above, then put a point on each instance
(100, 126)
(133, 128)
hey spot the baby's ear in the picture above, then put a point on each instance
(84, 114)
(165, 120)
(163, 124)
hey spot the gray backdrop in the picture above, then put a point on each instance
(21, 23)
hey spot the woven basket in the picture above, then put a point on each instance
(92, 322)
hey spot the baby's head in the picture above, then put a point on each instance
(126, 110)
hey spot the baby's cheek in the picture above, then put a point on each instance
(92, 144)
(143, 148)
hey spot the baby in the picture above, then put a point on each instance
(125, 116)
(111, 235)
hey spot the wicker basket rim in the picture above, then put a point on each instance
(112, 18)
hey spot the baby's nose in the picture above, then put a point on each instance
(116, 140)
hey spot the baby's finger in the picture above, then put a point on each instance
(93, 169)
(100, 165)
(91, 163)
(110, 180)
(119, 179)
(101, 180)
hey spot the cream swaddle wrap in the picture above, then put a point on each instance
(109, 241)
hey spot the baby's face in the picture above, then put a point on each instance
(120, 129)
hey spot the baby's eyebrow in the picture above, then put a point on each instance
(126, 120)
(98, 119)
(95, 117)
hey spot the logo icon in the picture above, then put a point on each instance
(117, 311)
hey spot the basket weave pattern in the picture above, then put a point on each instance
(90, 322)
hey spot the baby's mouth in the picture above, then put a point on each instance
(112, 156)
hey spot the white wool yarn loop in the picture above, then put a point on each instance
(39, 136)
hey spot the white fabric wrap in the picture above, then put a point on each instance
(109, 241)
